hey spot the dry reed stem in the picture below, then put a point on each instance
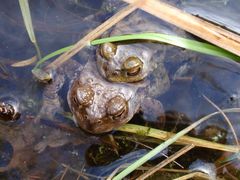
(225, 117)
(199, 27)
(95, 33)
(25, 62)
(159, 134)
(64, 172)
(194, 175)
(146, 146)
(142, 168)
(166, 161)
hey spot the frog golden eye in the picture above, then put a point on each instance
(117, 107)
(9, 107)
(108, 50)
(85, 95)
(132, 66)
(8, 112)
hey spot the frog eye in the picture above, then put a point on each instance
(9, 109)
(132, 66)
(108, 50)
(85, 96)
(8, 112)
(117, 107)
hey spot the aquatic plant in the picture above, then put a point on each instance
(24, 5)
(188, 44)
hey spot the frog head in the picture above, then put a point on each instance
(98, 105)
(124, 62)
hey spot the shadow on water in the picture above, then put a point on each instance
(45, 149)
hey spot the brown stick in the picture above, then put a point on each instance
(96, 32)
(173, 157)
(203, 29)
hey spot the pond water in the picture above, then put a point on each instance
(36, 147)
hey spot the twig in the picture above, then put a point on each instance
(226, 118)
(166, 161)
(64, 172)
(146, 146)
(192, 175)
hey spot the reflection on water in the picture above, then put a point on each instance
(45, 149)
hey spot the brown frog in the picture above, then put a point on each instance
(132, 62)
(124, 62)
(103, 101)
(99, 106)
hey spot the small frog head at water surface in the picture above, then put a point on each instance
(9, 107)
(124, 62)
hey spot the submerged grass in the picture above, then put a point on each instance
(24, 6)
(51, 55)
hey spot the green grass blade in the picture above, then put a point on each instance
(173, 40)
(24, 6)
(27, 19)
(55, 53)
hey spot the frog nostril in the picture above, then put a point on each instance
(75, 100)
(117, 107)
(85, 95)
(133, 66)
(108, 50)
(115, 73)
(99, 121)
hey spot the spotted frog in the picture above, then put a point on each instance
(108, 91)
(133, 61)
(99, 105)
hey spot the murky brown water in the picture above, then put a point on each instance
(38, 148)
